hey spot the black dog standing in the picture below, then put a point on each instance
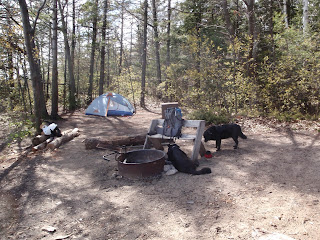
(222, 132)
(182, 163)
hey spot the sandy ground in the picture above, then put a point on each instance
(269, 186)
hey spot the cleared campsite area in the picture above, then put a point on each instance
(270, 184)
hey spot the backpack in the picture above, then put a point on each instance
(173, 122)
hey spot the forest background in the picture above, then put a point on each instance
(256, 58)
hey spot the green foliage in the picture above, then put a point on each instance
(21, 129)
(16, 126)
(289, 87)
(209, 116)
(209, 68)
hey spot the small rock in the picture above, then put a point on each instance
(171, 172)
(62, 237)
(49, 229)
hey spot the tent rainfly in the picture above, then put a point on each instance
(110, 104)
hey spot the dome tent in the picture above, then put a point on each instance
(110, 104)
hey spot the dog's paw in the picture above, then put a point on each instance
(235, 147)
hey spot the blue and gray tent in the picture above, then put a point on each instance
(110, 104)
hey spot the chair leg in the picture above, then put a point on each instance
(146, 144)
(198, 146)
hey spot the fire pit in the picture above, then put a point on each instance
(141, 163)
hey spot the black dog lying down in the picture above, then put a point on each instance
(222, 132)
(182, 163)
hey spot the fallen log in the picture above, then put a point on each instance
(66, 137)
(42, 145)
(39, 139)
(114, 142)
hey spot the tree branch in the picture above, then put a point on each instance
(38, 14)
(245, 2)
(8, 11)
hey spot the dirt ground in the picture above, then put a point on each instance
(269, 188)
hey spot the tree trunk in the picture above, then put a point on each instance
(252, 36)
(305, 18)
(26, 85)
(144, 55)
(72, 93)
(48, 67)
(78, 61)
(168, 43)
(121, 38)
(168, 34)
(227, 19)
(54, 86)
(198, 18)
(93, 49)
(21, 88)
(10, 68)
(37, 84)
(156, 40)
(108, 82)
(73, 37)
(285, 13)
(272, 48)
(103, 47)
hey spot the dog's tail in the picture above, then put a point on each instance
(205, 170)
(243, 136)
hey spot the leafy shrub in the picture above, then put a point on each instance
(209, 116)
(20, 129)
